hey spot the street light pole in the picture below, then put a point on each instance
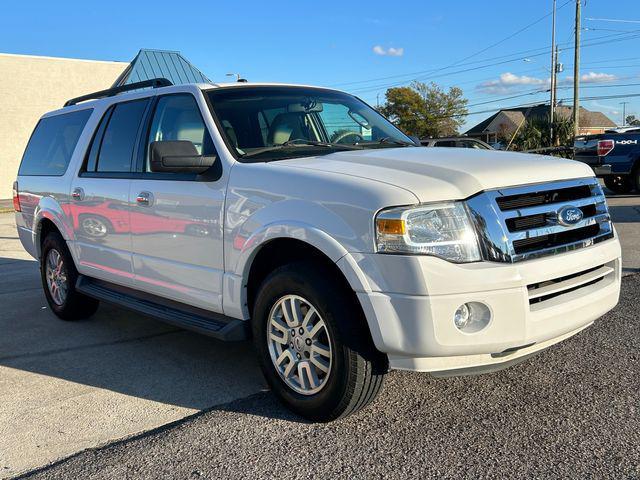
(624, 113)
(576, 74)
(552, 100)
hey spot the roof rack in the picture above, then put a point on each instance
(110, 92)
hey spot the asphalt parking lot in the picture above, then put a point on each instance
(180, 405)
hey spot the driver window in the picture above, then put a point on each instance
(177, 117)
(338, 121)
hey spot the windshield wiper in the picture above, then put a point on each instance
(392, 141)
(299, 142)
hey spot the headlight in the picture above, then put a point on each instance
(443, 230)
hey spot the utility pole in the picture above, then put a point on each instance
(552, 100)
(624, 113)
(558, 68)
(576, 74)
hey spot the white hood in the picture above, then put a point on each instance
(435, 174)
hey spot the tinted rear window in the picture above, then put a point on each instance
(52, 143)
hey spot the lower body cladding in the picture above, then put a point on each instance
(449, 319)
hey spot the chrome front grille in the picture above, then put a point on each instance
(526, 222)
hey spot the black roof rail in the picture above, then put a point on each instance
(110, 92)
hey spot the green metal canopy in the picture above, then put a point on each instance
(149, 64)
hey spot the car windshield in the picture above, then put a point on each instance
(273, 123)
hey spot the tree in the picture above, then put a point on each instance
(425, 110)
(633, 121)
(534, 133)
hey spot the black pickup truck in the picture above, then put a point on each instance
(615, 157)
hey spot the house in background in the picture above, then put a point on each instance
(504, 123)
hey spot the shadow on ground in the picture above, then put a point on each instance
(117, 350)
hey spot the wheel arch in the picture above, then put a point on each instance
(285, 250)
(44, 227)
(279, 251)
(48, 216)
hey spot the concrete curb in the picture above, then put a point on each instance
(6, 205)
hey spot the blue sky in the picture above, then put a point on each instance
(338, 43)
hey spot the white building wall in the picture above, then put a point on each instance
(31, 86)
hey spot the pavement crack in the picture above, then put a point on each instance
(85, 347)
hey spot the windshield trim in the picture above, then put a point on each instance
(234, 152)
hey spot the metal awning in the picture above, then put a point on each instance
(149, 64)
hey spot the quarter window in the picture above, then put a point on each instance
(52, 144)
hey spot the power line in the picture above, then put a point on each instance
(546, 90)
(524, 105)
(606, 39)
(370, 88)
(469, 56)
(613, 20)
(535, 52)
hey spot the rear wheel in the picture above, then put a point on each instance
(635, 178)
(313, 345)
(618, 183)
(59, 276)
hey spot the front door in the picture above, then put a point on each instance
(99, 206)
(176, 218)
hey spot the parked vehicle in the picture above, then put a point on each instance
(342, 248)
(615, 157)
(457, 142)
(628, 129)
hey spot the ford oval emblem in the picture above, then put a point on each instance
(569, 216)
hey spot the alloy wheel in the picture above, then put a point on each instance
(299, 344)
(56, 275)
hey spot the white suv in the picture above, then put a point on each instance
(301, 217)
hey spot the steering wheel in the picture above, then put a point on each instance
(341, 136)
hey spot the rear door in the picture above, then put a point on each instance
(99, 206)
(176, 218)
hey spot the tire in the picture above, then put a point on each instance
(635, 178)
(59, 281)
(618, 183)
(351, 375)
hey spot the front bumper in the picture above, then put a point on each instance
(410, 301)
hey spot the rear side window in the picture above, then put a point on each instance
(52, 144)
(116, 148)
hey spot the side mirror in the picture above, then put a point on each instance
(178, 156)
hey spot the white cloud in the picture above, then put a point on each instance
(593, 77)
(391, 51)
(509, 82)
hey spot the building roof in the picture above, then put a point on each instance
(149, 64)
(588, 119)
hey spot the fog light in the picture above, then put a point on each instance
(472, 317)
(461, 317)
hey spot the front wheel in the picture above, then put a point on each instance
(313, 345)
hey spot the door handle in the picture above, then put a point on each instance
(77, 194)
(144, 199)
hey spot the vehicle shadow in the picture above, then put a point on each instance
(116, 350)
(625, 213)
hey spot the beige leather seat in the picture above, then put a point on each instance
(285, 127)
